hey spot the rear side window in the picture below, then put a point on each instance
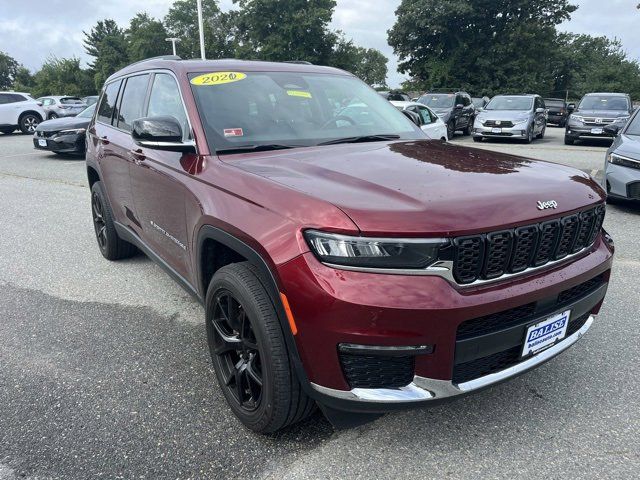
(11, 98)
(70, 101)
(108, 102)
(165, 100)
(132, 103)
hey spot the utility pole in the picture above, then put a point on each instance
(173, 41)
(200, 27)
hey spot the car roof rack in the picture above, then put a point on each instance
(298, 62)
(161, 57)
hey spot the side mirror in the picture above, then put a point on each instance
(160, 133)
(571, 107)
(413, 116)
(459, 106)
(539, 110)
(612, 129)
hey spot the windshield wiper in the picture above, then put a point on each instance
(361, 139)
(257, 148)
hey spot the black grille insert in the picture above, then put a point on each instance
(369, 371)
(489, 256)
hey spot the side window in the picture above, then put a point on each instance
(542, 104)
(108, 102)
(132, 101)
(426, 116)
(165, 100)
(466, 100)
(13, 98)
(4, 98)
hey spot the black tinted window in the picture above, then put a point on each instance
(108, 102)
(633, 127)
(11, 98)
(165, 100)
(132, 101)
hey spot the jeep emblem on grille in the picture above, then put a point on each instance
(548, 204)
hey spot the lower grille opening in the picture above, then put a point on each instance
(369, 371)
(465, 372)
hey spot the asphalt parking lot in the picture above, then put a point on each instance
(105, 373)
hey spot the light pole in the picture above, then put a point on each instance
(173, 41)
(201, 29)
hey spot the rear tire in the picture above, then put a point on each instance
(29, 122)
(249, 352)
(110, 244)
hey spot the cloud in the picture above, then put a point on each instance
(33, 30)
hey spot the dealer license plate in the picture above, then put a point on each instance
(546, 333)
(42, 142)
(597, 131)
(496, 130)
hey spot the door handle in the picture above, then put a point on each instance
(104, 140)
(138, 156)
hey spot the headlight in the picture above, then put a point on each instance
(518, 121)
(75, 131)
(364, 252)
(577, 118)
(624, 161)
(622, 120)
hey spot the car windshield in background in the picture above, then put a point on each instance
(634, 126)
(604, 102)
(554, 103)
(87, 112)
(478, 102)
(262, 110)
(510, 103)
(70, 101)
(438, 100)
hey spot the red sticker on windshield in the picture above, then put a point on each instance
(233, 132)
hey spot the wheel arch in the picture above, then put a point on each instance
(27, 112)
(92, 175)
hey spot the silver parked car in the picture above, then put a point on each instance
(521, 117)
(62, 106)
(622, 165)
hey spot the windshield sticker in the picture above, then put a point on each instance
(218, 78)
(299, 93)
(233, 132)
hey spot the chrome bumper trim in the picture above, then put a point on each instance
(425, 389)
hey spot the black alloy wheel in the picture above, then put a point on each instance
(97, 211)
(237, 352)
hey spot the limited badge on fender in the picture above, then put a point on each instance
(218, 78)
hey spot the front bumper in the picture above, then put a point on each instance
(558, 119)
(336, 307)
(74, 143)
(517, 131)
(621, 181)
(577, 131)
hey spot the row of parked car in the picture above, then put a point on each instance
(525, 116)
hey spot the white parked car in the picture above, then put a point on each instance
(19, 110)
(431, 124)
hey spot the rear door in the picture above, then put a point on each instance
(6, 117)
(158, 178)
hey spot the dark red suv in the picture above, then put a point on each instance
(342, 258)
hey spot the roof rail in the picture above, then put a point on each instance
(161, 57)
(298, 62)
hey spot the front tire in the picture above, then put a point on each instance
(529, 138)
(249, 352)
(477, 139)
(541, 134)
(568, 140)
(29, 122)
(110, 244)
(451, 130)
(469, 127)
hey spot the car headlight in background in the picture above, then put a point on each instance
(577, 118)
(519, 121)
(364, 252)
(74, 131)
(621, 120)
(624, 161)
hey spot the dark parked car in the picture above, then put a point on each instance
(595, 111)
(521, 117)
(557, 111)
(354, 265)
(64, 135)
(455, 109)
(622, 165)
(395, 95)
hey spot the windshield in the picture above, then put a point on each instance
(554, 103)
(71, 101)
(510, 103)
(87, 112)
(478, 102)
(604, 102)
(284, 109)
(438, 100)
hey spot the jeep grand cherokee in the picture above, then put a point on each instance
(343, 260)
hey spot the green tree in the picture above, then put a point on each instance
(23, 81)
(62, 76)
(219, 31)
(485, 46)
(280, 30)
(146, 38)
(368, 64)
(107, 44)
(8, 70)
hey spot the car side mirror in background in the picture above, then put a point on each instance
(413, 116)
(459, 106)
(571, 107)
(160, 133)
(612, 129)
(539, 110)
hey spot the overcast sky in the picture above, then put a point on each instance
(32, 30)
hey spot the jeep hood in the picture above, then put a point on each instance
(425, 187)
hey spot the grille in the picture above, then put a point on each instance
(592, 121)
(633, 190)
(465, 372)
(525, 313)
(498, 123)
(492, 255)
(46, 134)
(368, 371)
